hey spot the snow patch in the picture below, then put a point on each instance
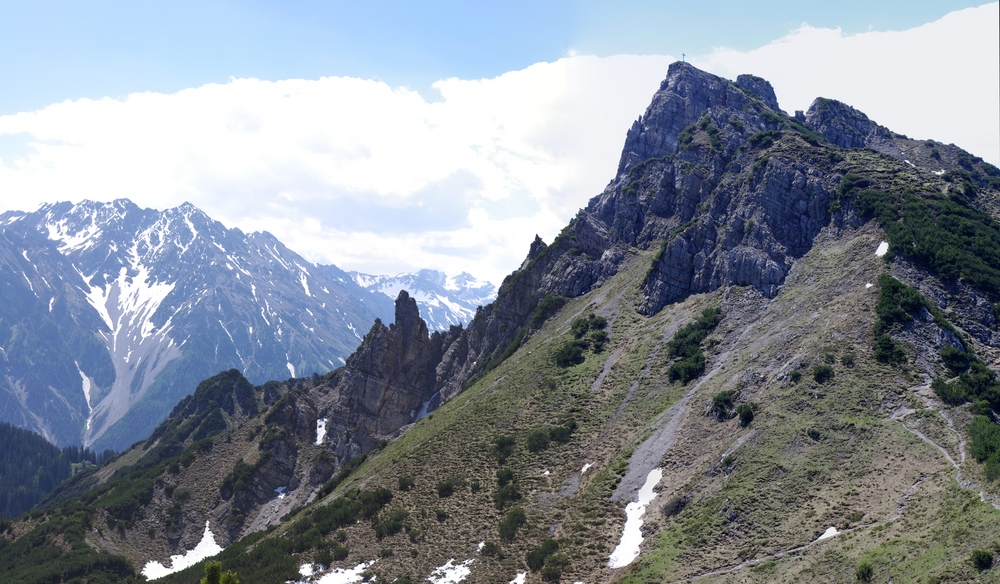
(69, 242)
(341, 575)
(305, 283)
(281, 492)
(51, 302)
(306, 570)
(320, 430)
(882, 249)
(585, 467)
(449, 573)
(519, 579)
(938, 172)
(628, 549)
(481, 545)
(206, 548)
(291, 369)
(830, 532)
(86, 394)
(910, 163)
(546, 473)
(868, 285)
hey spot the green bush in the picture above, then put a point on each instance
(489, 549)
(546, 308)
(847, 360)
(822, 373)
(536, 557)
(950, 393)
(392, 524)
(597, 340)
(503, 447)
(686, 346)
(795, 376)
(571, 353)
(829, 358)
(982, 560)
(562, 434)
(864, 573)
(538, 440)
(406, 483)
(323, 557)
(887, 351)
(513, 521)
(984, 444)
(745, 411)
(674, 506)
(504, 476)
(446, 488)
(506, 494)
(554, 564)
(722, 403)
(955, 359)
(687, 369)
(440, 515)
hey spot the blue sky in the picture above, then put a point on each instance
(394, 136)
(58, 50)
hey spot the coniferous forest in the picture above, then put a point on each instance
(30, 467)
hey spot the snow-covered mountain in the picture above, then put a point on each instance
(110, 313)
(444, 301)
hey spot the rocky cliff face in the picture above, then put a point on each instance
(721, 182)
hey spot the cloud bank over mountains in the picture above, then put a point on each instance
(383, 179)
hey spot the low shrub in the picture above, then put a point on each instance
(406, 483)
(982, 560)
(503, 447)
(571, 353)
(446, 488)
(513, 521)
(538, 440)
(506, 494)
(847, 360)
(888, 352)
(546, 308)
(490, 549)
(722, 403)
(504, 476)
(955, 359)
(864, 573)
(822, 373)
(745, 412)
(536, 557)
(674, 506)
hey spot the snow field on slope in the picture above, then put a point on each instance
(628, 549)
(206, 548)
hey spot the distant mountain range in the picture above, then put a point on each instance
(443, 301)
(110, 314)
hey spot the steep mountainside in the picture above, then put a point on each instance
(764, 353)
(443, 301)
(112, 313)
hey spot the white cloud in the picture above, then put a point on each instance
(352, 171)
(370, 177)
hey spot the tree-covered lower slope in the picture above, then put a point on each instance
(30, 467)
